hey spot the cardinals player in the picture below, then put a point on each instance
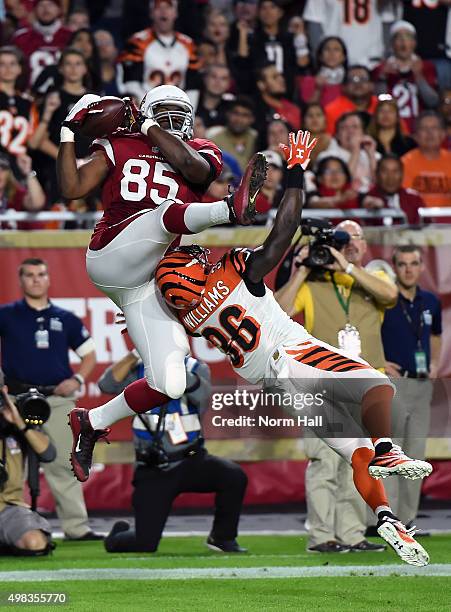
(229, 304)
(152, 181)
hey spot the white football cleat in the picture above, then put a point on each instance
(397, 463)
(402, 541)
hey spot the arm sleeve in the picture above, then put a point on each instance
(48, 455)
(77, 334)
(211, 152)
(436, 328)
(106, 148)
(107, 383)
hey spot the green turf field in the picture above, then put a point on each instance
(184, 575)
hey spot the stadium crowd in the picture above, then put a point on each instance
(362, 76)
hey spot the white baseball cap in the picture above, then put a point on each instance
(273, 158)
(400, 25)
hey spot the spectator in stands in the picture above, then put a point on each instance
(237, 137)
(272, 190)
(333, 181)
(19, 115)
(273, 98)
(42, 42)
(213, 101)
(22, 530)
(363, 26)
(36, 336)
(356, 149)
(431, 21)
(412, 337)
(78, 19)
(388, 191)
(385, 127)
(315, 123)
(173, 460)
(241, 31)
(219, 188)
(330, 71)
(74, 69)
(21, 197)
(296, 27)
(409, 79)
(277, 133)
(217, 31)
(108, 53)
(273, 43)
(159, 55)
(427, 169)
(206, 54)
(445, 111)
(83, 40)
(357, 96)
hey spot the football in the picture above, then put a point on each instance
(104, 117)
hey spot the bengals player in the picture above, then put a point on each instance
(229, 305)
(152, 183)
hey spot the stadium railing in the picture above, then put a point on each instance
(388, 216)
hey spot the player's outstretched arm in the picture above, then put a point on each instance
(77, 182)
(191, 165)
(288, 217)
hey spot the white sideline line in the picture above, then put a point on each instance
(243, 532)
(223, 573)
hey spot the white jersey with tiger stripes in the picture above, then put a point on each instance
(245, 326)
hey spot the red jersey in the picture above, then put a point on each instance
(403, 87)
(141, 178)
(40, 50)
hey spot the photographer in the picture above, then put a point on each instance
(171, 459)
(36, 337)
(22, 531)
(343, 305)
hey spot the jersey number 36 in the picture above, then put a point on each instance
(238, 334)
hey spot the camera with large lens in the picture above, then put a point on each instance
(33, 407)
(324, 237)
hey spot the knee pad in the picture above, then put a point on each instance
(42, 552)
(174, 383)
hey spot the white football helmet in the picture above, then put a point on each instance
(180, 120)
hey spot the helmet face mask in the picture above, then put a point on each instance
(171, 108)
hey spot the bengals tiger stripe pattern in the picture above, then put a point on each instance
(324, 359)
(181, 279)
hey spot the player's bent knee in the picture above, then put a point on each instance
(175, 388)
(32, 540)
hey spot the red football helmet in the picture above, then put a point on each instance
(181, 276)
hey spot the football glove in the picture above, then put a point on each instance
(75, 117)
(299, 149)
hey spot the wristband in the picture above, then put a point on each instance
(66, 134)
(148, 123)
(295, 178)
(31, 174)
(79, 378)
(135, 353)
(349, 268)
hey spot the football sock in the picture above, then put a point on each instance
(107, 414)
(195, 217)
(137, 397)
(376, 411)
(371, 490)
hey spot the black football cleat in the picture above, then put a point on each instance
(226, 546)
(85, 438)
(241, 203)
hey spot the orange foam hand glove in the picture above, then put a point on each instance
(297, 153)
